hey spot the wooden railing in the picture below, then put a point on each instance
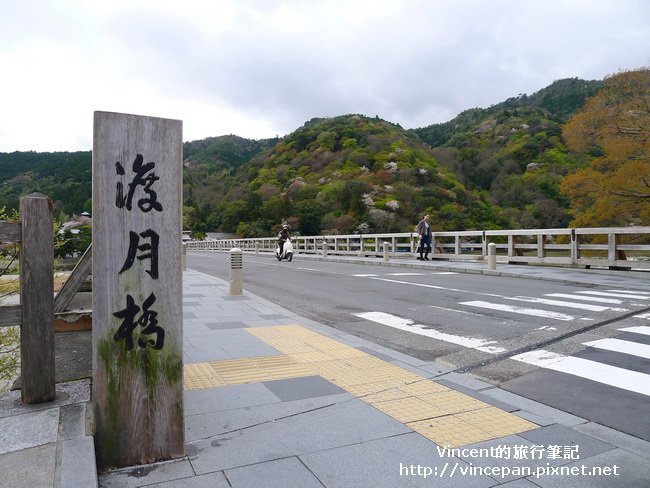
(613, 247)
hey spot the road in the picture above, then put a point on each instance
(582, 349)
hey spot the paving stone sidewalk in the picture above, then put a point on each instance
(275, 400)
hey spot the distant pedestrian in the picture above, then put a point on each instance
(424, 231)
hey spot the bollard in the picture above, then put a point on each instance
(492, 256)
(184, 257)
(385, 252)
(257, 247)
(236, 278)
(324, 249)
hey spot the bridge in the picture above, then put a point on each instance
(611, 247)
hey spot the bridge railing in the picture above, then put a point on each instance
(613, 247)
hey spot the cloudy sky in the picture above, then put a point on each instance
(261, 68)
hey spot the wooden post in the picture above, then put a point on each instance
(37, 300)
(137, 289)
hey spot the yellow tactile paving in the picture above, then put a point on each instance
(409, 409)
(366, 390)
(443, 415)
(239, 371)
(198, 376)
(450, 431)
(423, 388)
(495, 421)
(451, 402)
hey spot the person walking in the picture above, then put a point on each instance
(424, 231)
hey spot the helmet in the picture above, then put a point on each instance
(285, 226)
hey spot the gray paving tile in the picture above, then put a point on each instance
(232, 336)
(281, 473)
(273, 316)
(226, 325)
(434, 369)
(377, 354)
(559, 435)
(520, 483)
(78, 466)
(536, 419)
(204, 354)
(188, 315)
(589, 473)
(616, 438)
(345, 423)
(205, 425)
(72, 420)
(236, 351)
(241, 448)
(227, 397)
(387, 462)
(465, 380)
(507, 455)
(146, 475)
(28, 468)
(534, 407)
(212, 480)
(28, 430)
(301, 388)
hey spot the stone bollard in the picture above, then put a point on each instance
(386, 252)
(324, 249)
(236, 278)
(257, 247)
(492, 256)
(184, 257)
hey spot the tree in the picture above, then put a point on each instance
(612, 132)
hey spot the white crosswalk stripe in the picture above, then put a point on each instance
(591, 370)
(535, 312)
(409, 325)
(625, 347)
(642, 329)
(615, 295)
(613, 301)
(563, 303)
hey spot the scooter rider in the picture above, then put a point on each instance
(283, 236)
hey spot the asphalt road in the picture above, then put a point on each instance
(583, 349)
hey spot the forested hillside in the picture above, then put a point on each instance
(514, 154)
(575, 152)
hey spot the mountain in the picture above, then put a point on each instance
(64, 176)
(514, 153)
(347, 174)
(487, 168)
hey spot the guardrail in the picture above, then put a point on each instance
(612, 247)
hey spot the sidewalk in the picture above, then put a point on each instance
(275, 400)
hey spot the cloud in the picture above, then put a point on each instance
(262, 68)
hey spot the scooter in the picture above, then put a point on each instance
(287, 251)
